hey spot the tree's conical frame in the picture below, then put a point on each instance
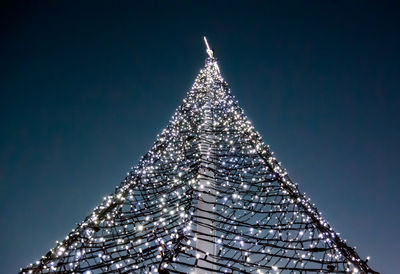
(209, 197)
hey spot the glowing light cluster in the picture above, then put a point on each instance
(150, 223)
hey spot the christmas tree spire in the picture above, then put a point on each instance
(209, 197)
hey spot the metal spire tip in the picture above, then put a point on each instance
(208, 50)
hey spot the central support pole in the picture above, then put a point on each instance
(206, 238)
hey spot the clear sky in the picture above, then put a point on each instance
(85, 88)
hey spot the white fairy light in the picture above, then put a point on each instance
(256, 216)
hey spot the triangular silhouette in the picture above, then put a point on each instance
(209, 197)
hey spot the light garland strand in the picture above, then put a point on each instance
(151, 223)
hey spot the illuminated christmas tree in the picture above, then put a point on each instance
(209, 197)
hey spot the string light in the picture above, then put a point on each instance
(155, 221)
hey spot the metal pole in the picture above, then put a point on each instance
(205, 244)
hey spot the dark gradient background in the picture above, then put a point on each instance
(86, 87)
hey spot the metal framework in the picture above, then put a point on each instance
(209, 197)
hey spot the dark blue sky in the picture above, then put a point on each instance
(85, 88)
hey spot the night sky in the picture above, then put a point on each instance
(86, 87)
